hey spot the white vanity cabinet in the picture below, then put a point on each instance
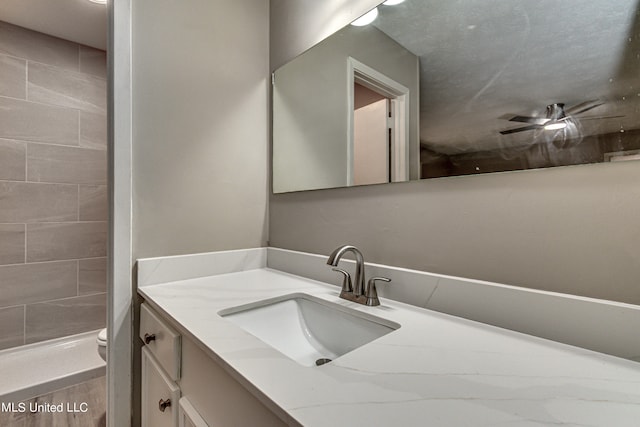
(201, 392)
(160, 395)
(161, 362)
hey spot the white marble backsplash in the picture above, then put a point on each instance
(604, 326)
(152, 271)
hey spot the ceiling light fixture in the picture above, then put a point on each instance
(99, 1)
(367, 18)
(392, 2)
(555, 126)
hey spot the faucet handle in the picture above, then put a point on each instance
(347, 287)
(371, 292)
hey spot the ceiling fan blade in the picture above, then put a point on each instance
(572, 111)
(525, 119)
(532, 127)
(598, 118)
(584, 104)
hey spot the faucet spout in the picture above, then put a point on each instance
(335, 257)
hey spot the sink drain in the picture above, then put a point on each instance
(322, 361)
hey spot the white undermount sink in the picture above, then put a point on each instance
(307, 329)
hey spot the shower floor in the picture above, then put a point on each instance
(37, 369)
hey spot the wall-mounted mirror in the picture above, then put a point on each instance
(430, 88)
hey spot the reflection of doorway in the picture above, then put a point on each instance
(378, 135)
(371, 137)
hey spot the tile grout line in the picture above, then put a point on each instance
(54, 222)
(54, 144)
(60, 145)
(26, 80)
(54, 261)
(16, 305)
(26, 161)
(25, 243)
(72, 222)
(59, 67)
(78, 278)
(57, 106)
(24, 324)
(73, 297)
(52, 183)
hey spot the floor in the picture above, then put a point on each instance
(83, 406)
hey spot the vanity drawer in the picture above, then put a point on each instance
(161, 340)
(160, 395)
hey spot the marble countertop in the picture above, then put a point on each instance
(436, 369)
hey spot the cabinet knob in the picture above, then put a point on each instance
(164, 404)
(149, 337)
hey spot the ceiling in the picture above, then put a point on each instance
(484, 59)
(80, 21)
(481, 60)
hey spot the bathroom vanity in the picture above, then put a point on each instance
(430, 368)
(178, 377)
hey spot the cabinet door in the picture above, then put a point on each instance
(160, 395)
(189, 417)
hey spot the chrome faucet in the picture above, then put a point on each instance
(334, 259)
(357, 292)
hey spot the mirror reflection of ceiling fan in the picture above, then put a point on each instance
(555, 118)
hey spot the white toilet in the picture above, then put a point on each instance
(102, 344)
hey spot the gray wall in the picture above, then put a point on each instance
(200, 125)
(569, 229)
(53, 193)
